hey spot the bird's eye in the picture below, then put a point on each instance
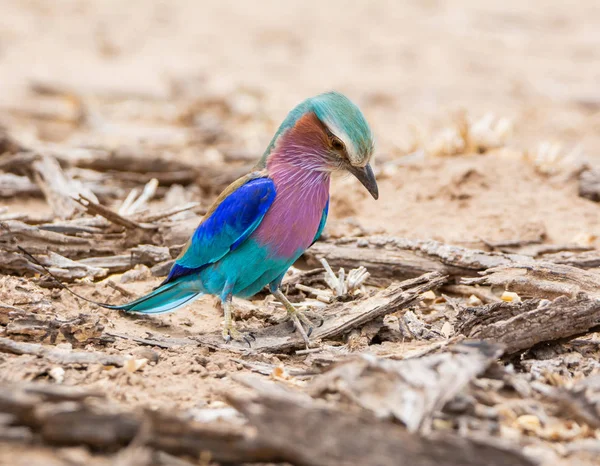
(337, 144)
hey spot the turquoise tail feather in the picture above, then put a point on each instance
(166, 298)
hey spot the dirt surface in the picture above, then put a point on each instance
(484, 113)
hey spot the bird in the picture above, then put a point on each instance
(264, 221)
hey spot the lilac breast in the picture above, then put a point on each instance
(291, 223)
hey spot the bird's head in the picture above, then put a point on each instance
(326, 133)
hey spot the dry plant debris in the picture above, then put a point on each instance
(431, 351)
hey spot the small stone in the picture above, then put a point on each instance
(146, 353)
(474, 301)
(528, 423)
(510, 297)
(447, 329)
(57, 373)
(133, 365)
(203, 360)
(428, 295)
(212, 367)
(362, 243)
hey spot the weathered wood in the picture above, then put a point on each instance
(14, 186)
(8, 145)
(37, 240)
(582, 260)
(339, 318)
(78, 240)
(305, 433)
(143, 254)
(93, 207)
(389, 258)
(160, 342)
(284, 425)
(411, 390)
(540, 280)
(58, 355)
(58, 188)
(581, 401)
(589, 185)
(44, 410)
(25, 325)
(522, 325)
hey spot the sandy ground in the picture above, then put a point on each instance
(412, 67)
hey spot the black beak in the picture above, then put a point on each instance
(366, 176)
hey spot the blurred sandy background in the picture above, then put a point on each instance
(536, 61)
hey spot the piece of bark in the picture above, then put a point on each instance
(8, 145)
(521, 325)
(389, 258)
(589, 185)
(582, 260)
(56, 393)
(15, 186)
(24, 325)
(283, 426)
(58, 188)
(92, 207)
(81, 242)
(411, 390)
(5, 312)
(581, 401)
(149, 217)
(306, 433)
(481, 292)
(146, 254)
(68, 269)
(62, 267)
(160, 342)
(36, 240)
(18, 163)
(136, 166)
(540, 280)
(54, 110)
(70, 420)
(338, 318)
(76, 424)
(58, 355)
(162, 269)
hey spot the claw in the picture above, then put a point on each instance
(298, 317)
(231, 333)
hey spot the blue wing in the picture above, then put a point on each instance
(226, 227)
(322, 223)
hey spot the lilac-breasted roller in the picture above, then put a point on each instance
(263, 222)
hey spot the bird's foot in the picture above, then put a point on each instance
(301, 318)
(308, 318)
(231, 333)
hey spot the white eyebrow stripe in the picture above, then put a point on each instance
(353, 155)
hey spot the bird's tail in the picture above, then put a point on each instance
(166, 298)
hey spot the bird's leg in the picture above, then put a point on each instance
(229, 330)
(297, 317)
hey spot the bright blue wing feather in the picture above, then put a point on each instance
(236, 217)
